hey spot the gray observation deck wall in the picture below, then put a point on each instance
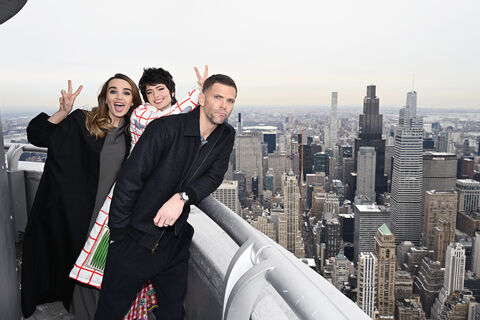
(235, 271)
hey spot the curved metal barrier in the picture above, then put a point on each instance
(260, 261)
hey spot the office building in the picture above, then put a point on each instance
(440, 214)
(367, 282)
(409, 309)
(468, 195)
(320, 162)
(384, 251)
(454, 277)
(333, 238)
(370, 135)
(239, 176)
(249, 157)
(403, 285)
(227, 193)
(278, 163)
(265, 225)
(341, 271)
(406, 196)
(333, 121)
(428, 283)
(366, 173)
(368, 218)
(292, 211)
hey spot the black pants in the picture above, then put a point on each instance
(129, 265)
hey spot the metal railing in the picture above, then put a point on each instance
(15, 150)
(260, 261)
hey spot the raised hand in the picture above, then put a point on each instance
(68, 98)
(66, 103)
(200, 79)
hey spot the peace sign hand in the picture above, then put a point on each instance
(201, 79)
(68, 98)
(66, 104)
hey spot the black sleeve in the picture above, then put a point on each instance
(39, 130)
(208, 182)
(132, 177)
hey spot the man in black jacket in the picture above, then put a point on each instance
(178, 161)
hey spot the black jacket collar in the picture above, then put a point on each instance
(192, 125)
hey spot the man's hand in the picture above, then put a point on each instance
(200, 79)
(169, 212)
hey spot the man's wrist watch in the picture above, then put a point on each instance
(184, 197)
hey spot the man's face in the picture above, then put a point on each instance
(217, 103)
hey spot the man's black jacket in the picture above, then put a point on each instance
(168, 158)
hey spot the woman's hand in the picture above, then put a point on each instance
(201, 79)
(66, 103)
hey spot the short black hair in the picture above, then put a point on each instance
(219, 78)
(153, 76)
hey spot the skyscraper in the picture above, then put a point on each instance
(476, 255)
(454, 276)
(227, 193)
(440, 213)
(429, 282)
(278, 162)
(249, 157)
(366, 173)
(292, 210)
(384, 251)
(333, 238)
(265, 225)
(468, 195)
(370, 135)
(368, 218)
(239, 176)
(367, 282)
(320, 162)
(439, 170)
(333, 121)
(340, 271)
(239, 124)
(406, 196)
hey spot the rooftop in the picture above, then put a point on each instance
(384, 230)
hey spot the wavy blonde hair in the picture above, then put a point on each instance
(98, 121)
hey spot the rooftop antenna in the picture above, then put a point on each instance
(413, 81)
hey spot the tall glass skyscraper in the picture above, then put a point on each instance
(406, 196)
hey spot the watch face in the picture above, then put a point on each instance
(184, 196)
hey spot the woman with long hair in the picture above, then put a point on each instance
(85, 152)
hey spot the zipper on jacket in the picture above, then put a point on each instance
(155, 247)
(191, 167)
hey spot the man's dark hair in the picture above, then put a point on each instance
(219, 78)
(153, 76)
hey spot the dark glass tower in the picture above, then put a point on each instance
(370, 135)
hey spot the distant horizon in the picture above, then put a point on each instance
(299, 108)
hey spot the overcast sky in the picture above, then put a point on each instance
(279, 52)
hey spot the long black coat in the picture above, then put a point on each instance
(59, 219)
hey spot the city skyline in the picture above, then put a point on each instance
(279, 54)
